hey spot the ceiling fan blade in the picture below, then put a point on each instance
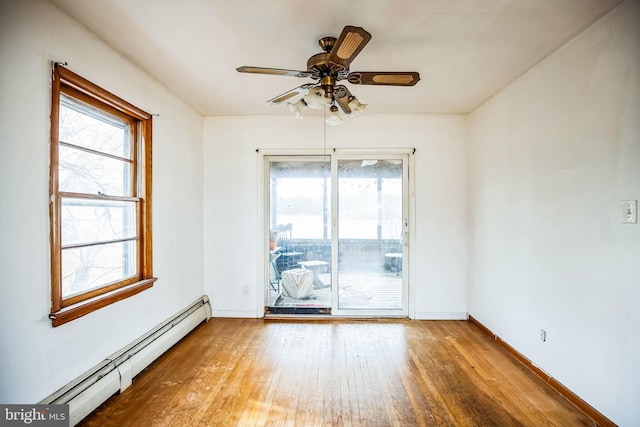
(390, 78)
(341, 95)
(273, 71)
(351, 41)
(301, 90)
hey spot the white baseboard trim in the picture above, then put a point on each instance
(245, 314)
(420, 315)
(441, 315)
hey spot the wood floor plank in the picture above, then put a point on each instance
(253, 372)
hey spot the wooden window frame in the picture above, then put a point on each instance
(66, 309)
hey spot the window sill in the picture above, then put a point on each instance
(75, 311)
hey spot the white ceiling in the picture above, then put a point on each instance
(464, 50)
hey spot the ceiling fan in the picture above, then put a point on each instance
(330, 67)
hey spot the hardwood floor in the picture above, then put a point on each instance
(246, 372)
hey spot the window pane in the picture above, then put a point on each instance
(299, 202)
(88, 127)
(82, 172)
(84, 269)
(300, 191)
(86, 221)
(370, 199)
(358, 202)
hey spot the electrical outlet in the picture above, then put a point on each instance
(543, 335)
(629, 211)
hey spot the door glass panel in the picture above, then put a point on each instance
(370, 228)
(299, 256)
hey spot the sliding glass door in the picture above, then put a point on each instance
(299, 259)
(337, 227)
(370, 229)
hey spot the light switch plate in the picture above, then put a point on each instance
(629, 211)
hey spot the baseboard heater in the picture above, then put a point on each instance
(116, 373)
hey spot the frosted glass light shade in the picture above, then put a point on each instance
(297, 107)
(334, 118)
(315, 98)
(356, 107)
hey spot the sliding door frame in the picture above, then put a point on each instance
(264, 155)
(335, 272)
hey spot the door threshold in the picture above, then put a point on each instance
(329, 316)
(297, 311)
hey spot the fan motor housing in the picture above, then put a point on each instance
(319, 66)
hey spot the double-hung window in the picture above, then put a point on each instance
(100, 205)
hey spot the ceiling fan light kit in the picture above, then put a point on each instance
(334, 118)
(297, 107)
(328, 68)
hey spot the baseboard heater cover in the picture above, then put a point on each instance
(116, 373)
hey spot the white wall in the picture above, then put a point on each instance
(232, 203)
(36, 359)
(550, 159)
